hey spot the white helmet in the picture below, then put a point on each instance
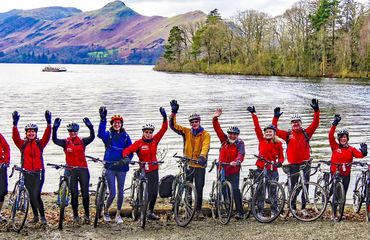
(148, 126)
(295, 117)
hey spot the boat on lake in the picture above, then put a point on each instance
(54, 69)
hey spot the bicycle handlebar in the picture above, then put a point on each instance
(266, 161)
(144, 163)
(94, 159)
(184, 159)
(215, 163)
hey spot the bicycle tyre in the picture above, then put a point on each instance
(314, 212)
(143, 203)
(62, 196)
(357, 195)
(134, 201)
(213, 201)
(100, 195)
(324, 184)
(338, 202)
(286, 210)
(19, 209)
(247, 194)
(185, 202)
(367, 203)
(280, 202)
(225, 200)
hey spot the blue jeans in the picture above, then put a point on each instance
(111, 177)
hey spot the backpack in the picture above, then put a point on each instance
(24, 147)
(165, 186)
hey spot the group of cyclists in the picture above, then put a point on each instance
(119, 150)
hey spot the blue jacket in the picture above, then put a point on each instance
(114, 144)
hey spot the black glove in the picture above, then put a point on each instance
(123, 162)
(277, 112)
(279, 164)
(202, 161)
(315, 104)
(103, 113)
(48, 117)
(16, 117)
(336, 120)
(363, 149)
(88, 123)
(56, 124)
(174, 106)
(251, 109)
(163, 113)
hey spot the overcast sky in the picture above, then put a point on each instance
(167, 8)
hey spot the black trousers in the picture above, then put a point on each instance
(234, 180)
(198, 176)
(34, 182)
(82, 176)
(3, 183)
(153, 180)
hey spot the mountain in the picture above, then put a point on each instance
(114, 34)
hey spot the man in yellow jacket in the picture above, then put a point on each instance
(196, 146)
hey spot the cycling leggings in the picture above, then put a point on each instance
(111, 177)
(82, 176)
(34, 182)
(234, 180)
(153, 179)
(3, 183)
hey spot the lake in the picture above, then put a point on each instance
(137, 92)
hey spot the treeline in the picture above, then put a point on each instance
(313, 38)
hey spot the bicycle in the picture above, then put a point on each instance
(334, 188)
(361, 192)
(307, 209)
(139, 192)
(247, 192)
(19, 200)
(101, 193)
(184, 194)
(221, 196)
(63, 191)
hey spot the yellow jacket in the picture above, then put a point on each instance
(194, 146)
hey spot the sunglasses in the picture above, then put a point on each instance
(196, 121)
(148, 132)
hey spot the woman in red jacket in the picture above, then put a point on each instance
(146, 150)
(232, 151)
(4, 163)
(270, 147)
(32, 160)
(74, 148)
(342, 152)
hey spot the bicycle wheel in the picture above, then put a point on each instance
(367, 198)
(268, 202)
(213, 200)
(143, 203)
(62, 196)
(306, 204)
(247, 194)
(284, 196)
(323, 182)
(19, 209)
(134, 200)
(100, 195)
(224, 201)
(339, 199)
(357, 195)
(185, 203)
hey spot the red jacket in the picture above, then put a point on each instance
(147, 150)
(229, 152)
(298, 149)
(75, 152)
(341, 154)
(4, 150)
(269, 150)
(32, 152)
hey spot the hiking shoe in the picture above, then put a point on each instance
(199, 215)
(304, 212)
(87, 220)
(152, 216)
(35, 219)
(2, 219)
(43, 221)
(239, 216)
(76, 219)
(107, 218)
(119, 219)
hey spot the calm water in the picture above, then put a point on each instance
(137, 92)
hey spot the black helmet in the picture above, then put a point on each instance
(343, 132)
(31, 126)
(270, 126)
(233, 129)
(73, 127)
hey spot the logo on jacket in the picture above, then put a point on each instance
(144, 148)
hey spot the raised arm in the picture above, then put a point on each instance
(56, 140)
(333, 143)
(316, 118)
(102, 133)
(280, 133)
(15, 133)
(256, 123)
(89, 139)
(164, 127)
(216, 125)
(47, 133)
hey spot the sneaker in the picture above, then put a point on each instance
(239, 216)
(152, 216)
(43, 221)
(119, 219)
(199, 215)
(107, 218)
(76, 219)
(2, 219)
(87, 220)
(35, 219)
(304, 212)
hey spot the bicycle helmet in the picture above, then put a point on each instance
(343, 132)
(270, 126)
(194, 116)
(295, 117)
(116, 117)
(31, 126)
(73, 127)
(148, 126)
(233, 129)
